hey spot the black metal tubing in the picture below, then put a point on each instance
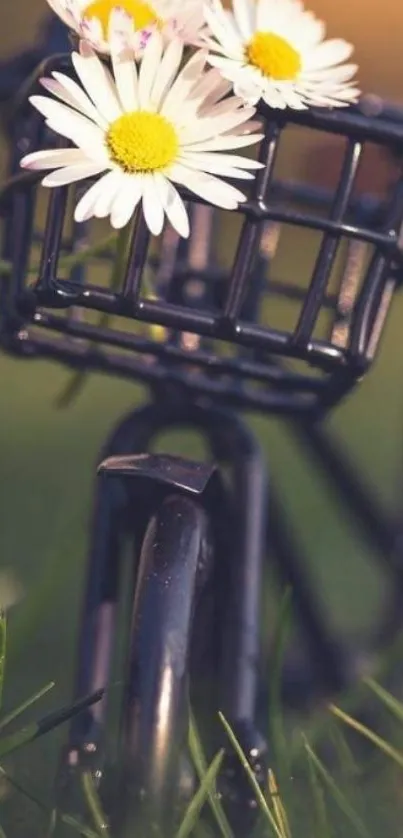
(239, 554)
(155, 706)
(244, 566)
(222, 316)
(98, 612)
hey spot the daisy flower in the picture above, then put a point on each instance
(142, 131)
(134, 20)
(275, 50)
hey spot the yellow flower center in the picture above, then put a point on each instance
(142, 141)
(274, 56)
(142, 13)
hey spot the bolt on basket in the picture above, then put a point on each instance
(277, 306)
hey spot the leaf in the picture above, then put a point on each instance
(395, 706)
(382, 744)
(348, 765)
(79, 827)
(341, 800)
(94, 804)
(276, 726)
(260, 798)
(50, 722)
(200, 764)
(278, 806)
(319, 799)
(10, 717)
(22, 790)
(205, 791)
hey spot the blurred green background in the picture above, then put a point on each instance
(48, 456)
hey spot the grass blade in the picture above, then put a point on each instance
(94, 805)
(395, 706)
(200, 764)
(347, 763)
(3, 643)
(50, 722)
(323, 826)
(79, 827)
(278, 806)
(22, 790)
(382, 744)
(276, 727)
(205, 791)
(341, 800)
(2, 833)
(10, 717)
(260, 798)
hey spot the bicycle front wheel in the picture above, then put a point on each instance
(155, 714)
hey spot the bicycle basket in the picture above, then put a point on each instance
(277, 306)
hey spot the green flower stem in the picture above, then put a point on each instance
(67, 262)
(77, 380)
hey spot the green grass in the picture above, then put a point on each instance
(331, 804)
(48, 459)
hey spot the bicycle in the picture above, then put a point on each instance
(190, 518)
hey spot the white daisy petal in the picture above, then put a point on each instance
(225, 142)
(124, 69)
(227, 66)
(63, 120)
(212, 167)
(173, 205)
(53, 159)
(97, 81)
(64, 85)
(70, 174)
(166, 72)
(291, 98)
(231, 160)
(208, 187)
(91, 30)
(328, 54)
(222, 88)
(62, 10)
(111, 186)
(53, 87)
(120, 29)
(126, 200)
(152, 206)
(244, 17)
(86, 205)
(148, 70)
(212, 127)
(226, 35)
(273, 98)
(334, 75)
(183, 84)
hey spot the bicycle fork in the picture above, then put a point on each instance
(239, 574)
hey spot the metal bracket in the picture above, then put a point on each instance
(187, 476)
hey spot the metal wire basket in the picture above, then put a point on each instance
(236, 329)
